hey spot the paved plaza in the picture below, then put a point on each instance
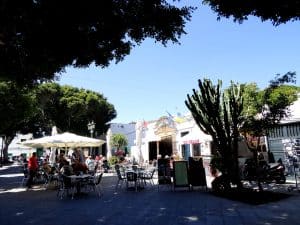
(123, 207)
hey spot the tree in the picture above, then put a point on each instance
(278, 12)
(218, 113)
(119, 141)
(16, 109)
(264, 109)
(71, 109)
(241, 109)
(38, 39)
(37, 110)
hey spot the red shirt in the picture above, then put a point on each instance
(33, 163)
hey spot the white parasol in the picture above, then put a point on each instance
(53, 149)
(108, 138)
(67, 140)
(138, 138)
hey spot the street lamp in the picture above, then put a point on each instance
(91, 127)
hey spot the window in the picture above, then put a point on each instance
(184, 133)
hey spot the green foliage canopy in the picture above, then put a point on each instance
(70, 108)
(263, 109)
(38, 39)
(16, 107)
(278, 12)
(119, 141)
(36, 110)
(240, 108)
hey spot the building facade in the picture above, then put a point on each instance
(170, 136)
(284, 140)
(16, 149)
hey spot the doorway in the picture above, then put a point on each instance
(152, 150)
(165, 147)
(185, 151)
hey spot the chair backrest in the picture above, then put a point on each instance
(152, 172)
(25, 172)
(98, 178)
(135, 167)
(66, 180)
(119, 174)
(131, 176)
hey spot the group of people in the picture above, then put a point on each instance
(32, 167)
(74, 163)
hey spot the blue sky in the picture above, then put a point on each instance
(154, 79)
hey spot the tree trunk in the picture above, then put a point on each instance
(258, 170)
(235, 166)
(4, 148)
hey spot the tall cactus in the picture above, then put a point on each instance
(217, 113)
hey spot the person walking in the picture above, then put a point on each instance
(32, 167)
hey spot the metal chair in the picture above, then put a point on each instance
(25, 176)
(65, 187)
(134, 167)
(94, 183)
(148, 176)
(132, 177)
(121, 177)
(49, 178)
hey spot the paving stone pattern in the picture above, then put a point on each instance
(122, 207)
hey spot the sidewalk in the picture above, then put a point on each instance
(122, 207)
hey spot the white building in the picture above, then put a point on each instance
(170, 136)
(16, 149)
(287, 134)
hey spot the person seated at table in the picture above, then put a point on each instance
(105, 165)
(79, 167)
(122, 161)
(78, 155)
(61, 160)
(127, 158)
(90, 162)
(98, 162)
(67, 169)
(46, 167)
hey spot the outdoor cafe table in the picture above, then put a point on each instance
(140, 175)
(79, 180)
